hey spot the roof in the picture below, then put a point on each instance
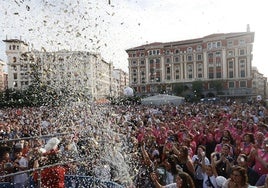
(15, 41)
(190, 41)
(162, 99)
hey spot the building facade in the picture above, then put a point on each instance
(259, 83)
(76, 71)
(222, 58)
(120, 82)
(2, 75)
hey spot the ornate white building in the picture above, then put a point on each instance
(72, 70)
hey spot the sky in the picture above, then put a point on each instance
(112, 26)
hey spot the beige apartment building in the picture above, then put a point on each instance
(225, 58)
(77, 71)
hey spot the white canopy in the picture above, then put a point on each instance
(162, 99)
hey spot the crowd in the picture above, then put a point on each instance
(198, 145)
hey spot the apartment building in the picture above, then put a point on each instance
(259, 83)
(120, 82)
(76, 71)
(224, 57)
(2, 75)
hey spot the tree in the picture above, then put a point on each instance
(197, 88)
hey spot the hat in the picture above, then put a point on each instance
(220, 180)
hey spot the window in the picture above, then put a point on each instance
(15, 76)
(199, 48)
(242, 64)
(230, 43)
(177, 51)
(242, 42)
(15, 84)
(218, 74)
(242, 73)
(14, 59)
(177, 72)
(189, 58)
(231, 64)
(142, 62)
(168, 70)
(210, 55)
(190, 68)
(134, 62)
(231, 74)
(176, 59)
(210, 75)
(243, 84)
(231, 84)
(200, 67)
(167, 52)
(218, 54)
(189, 49)
(209, 45)
(200, 75)
(218, 62)
(14, 67)
(142, 54)
(230, 53)
(241, 51)
(199, 57)
(167, 60)
(218, 44)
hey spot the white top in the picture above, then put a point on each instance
(206, 181)
(172, 185)
(21, 178)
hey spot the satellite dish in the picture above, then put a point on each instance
(128, 91)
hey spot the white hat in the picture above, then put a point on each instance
(220, 180)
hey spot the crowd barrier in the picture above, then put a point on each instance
(73, 181)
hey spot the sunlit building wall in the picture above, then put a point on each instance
(259, 83)
(227, 58)
(120, 82)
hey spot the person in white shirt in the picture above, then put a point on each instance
(20, 164)
(197, 160)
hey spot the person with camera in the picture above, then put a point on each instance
(223, 161)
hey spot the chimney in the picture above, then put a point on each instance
(248, 28)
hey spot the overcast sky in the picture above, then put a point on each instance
(112, 26)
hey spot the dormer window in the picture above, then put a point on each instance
(189, 49)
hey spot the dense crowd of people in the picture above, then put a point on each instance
(198, 145)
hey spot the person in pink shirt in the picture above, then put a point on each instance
(247, 144)
(219, 132)
(261, 159)
(224, 140)
(259, 138)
